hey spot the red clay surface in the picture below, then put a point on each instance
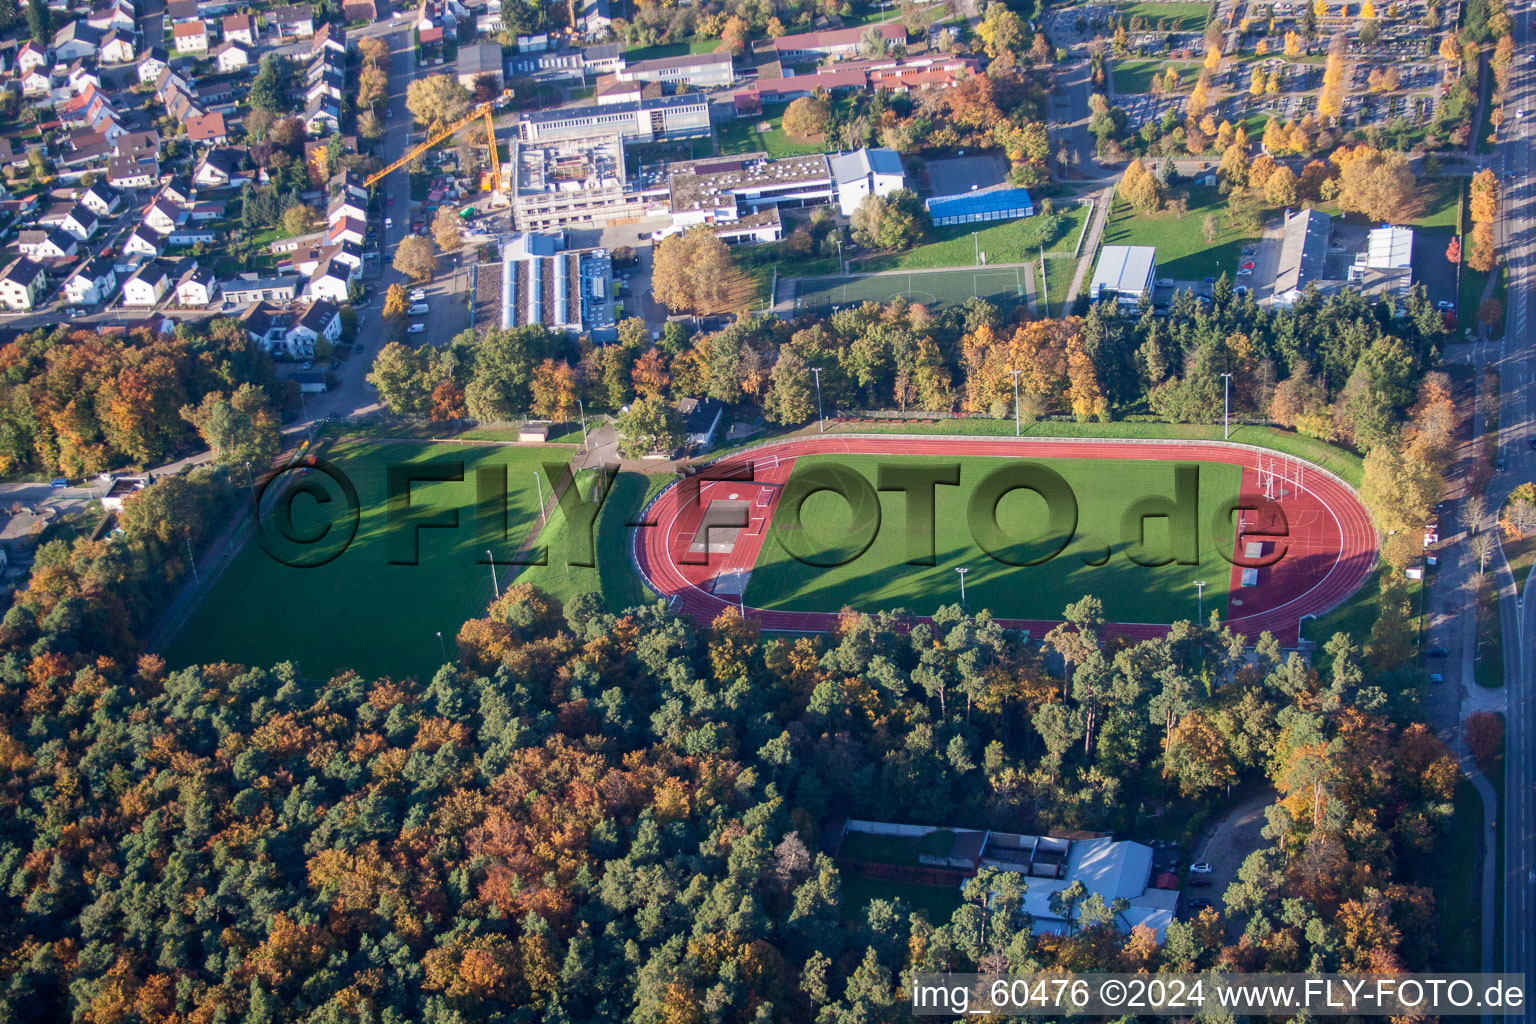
(1329, 550)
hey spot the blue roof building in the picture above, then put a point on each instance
(980, 206)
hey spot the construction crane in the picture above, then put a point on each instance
(484, 110)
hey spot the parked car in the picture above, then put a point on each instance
(418, 294)
(58, 482)
(1437, 652)
(1436, 677)
(416, 328)
(1200, 881)
(1202, 868)
(418, 309)
(308, 363)
(389, 222)
(1199, 904)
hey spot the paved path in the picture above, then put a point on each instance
(1102, 205)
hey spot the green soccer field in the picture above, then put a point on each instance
(1105, 490)
(1003, 287)
(359, 611)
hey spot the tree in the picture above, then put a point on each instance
(397, 377)
(1399, 489)
(1483, 253)
(651, 425)
(300, 219)
(554, 390)
(1001, 30)
(1330, 99)
(1484, 735)
(372, 86)
(239, 428)
(895, 221)
(1210, 227)
(1141, 188)
(1450, 52)
(650, 376)
(790, 399)
(1292, 45)
(414, 258)
(1490, 313)
(374, 52)
(270, 87)
(692, 271)
(1381, 186)
(806, 117)
(733, 35)
(395, 302)
(447, 229)
(872, 43)
(1453, 251)
(436, 101)
(40, 22)
(1281, 188)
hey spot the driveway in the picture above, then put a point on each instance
(1229, 840)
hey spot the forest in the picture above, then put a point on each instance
(616, 815)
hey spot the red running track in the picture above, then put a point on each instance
(1329, 552)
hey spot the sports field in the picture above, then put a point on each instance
(1105, 490)
(939, 289)
(358, 610)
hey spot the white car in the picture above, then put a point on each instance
(418, 294)
(389, 222)
(416, 328)
(1201, 868)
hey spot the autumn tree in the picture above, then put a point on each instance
(447, 229)
(414, 258)
(436, 100)
(1330, 99)
(894, 221)
(692, 271)
(554, 390)
(806, 117)
(1141, 188)
(790, 399)
(299, 219)
(395, 302)
(1381, 186)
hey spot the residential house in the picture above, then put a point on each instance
(346, 254)
(91, 282)
(116, 47)
(329, 281)
(597, 18)
(232, 56)
(162, 218)
(147, 285)
(329, 85)
(152, 62)
(602, 58)
(46, 244)
(206, 210)
(240, 28)
(140, 147)
(330, 37)
(320, 319)
(295, 21)
(182, 106)
(197, 287)
(179, 190)
(81, 76)
(182, 11)
(267, 326)
(101, 199)
(10, 156)
(126, 172)
(221, 168)
(359, 10)
(170, 80)
(35, 83)
(192, 235)
(347, 229)
(75, 39)
(325, 62)
(73, 219)
(30, 57)
(116, 16)
(190, 37)
(143, 242)
(215, 96)
(349, 182)
(322, 116)
(346, 206)
(21, 283)
(207, 128)
(251, 287)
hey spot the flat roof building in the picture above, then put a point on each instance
(1389, 248)
(573, 182)
(980, 206)
(865, 172)
(645, 120)
(1124, 273)
(712, 190)
(699, 70)
(1303, 254)
(479, 59)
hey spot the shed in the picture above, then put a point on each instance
(530, 433)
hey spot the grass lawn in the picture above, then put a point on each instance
(700, 45)
(1182, 251)
(359, 611)
(1058, 280)
(1183, 17)
(1106, 490)
(1489, 664)
(740, 135)
(1453, 873)
(941, 289)
(1470, 298)
(937, 902)
(1010, 242)
(1345, 464)
(1356, 616)
(1442, 198)
(1135, 76)
(614, 575)
(559, 433)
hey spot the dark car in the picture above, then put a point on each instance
(1437, 652)
(1199, 904)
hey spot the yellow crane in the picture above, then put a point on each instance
(482, 111)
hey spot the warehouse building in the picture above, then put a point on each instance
(1125, 273)
(1303, 255)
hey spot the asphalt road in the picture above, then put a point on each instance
(1515, 358)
